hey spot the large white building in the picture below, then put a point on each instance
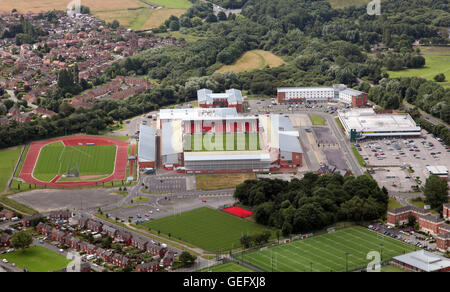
(335, 93)
(366, 123)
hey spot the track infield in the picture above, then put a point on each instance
(327, 252)
(48, 160)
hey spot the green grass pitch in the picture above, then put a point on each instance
(8, 160)
(224, 142)
(36, 259)
(226, 268)
(326, 252)
(209, 229)
(55, 158)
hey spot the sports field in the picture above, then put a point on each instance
(437, 60)
(55, 159)
(36, 259)
(347, 3)
(227, 268)
(207, 228)
(317, 120)
(8, 160)
(252, 60)
(327, 252)
(224, 142)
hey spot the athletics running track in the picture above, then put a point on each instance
(120, 167)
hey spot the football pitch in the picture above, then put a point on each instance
(56, 158)
(343, 250)
(227, 268)
(37, 259)
(221, 142)
(207, 228)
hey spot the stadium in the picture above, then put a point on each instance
(75, 161)
(219, 140)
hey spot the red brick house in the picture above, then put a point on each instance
(443, 242)
(44, 229)
(156, 250)
(139, 243)
(57, 235)
(120, 260)
(73, 242)
(94, 226)
(446, 211)
(60, 215)
(400, 215)
(26, 222)
(124, 236)
(168, 259)
(87, 248)
(152, 266)
(430, 224)
(107, 255)
(109, 231)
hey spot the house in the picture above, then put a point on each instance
(26, 222)
(94, 226)
(139, 243)
(446, 211)
(105, 254)
(5, 213)
(60, 215)
(400, 216)
(87, 247)
(124, 236)
(430, 224)
(168, 259)
(4, 240)
(156, 249)
(44, 229)
(57, 235)
(73, 242)
(109, 231)
(79, 221)
(152, 266)
(120, 260)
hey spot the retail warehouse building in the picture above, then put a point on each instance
(366, 123)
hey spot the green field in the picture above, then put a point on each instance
(327, 252)
(347, 3)
(392, 269)
(227, 268)
(358, 156)
(393, 204)
(55, 159)
(8, 160)
(208, 182)
(225, 142)
(317, 120)
(209, 229)
(437, 60)
(36, 259)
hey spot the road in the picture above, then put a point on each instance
(427, 116)
(14, 98)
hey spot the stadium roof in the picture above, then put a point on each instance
(146, 148)
(233, 96)
(351, 91)
(226, 155)
(196, 113)
(172, 138)
(280, 133)
(425, 261)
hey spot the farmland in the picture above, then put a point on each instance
(209, 229)
(252, 60)
(436, 61)
(344, 249)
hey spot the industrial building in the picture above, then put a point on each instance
(366, 123)
(231, 98)
(335, 93)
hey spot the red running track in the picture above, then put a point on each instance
(120, 167)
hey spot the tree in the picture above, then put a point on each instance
(439, 77)
(435, 191)
(21, 239)
(187, 258)
(411, 220)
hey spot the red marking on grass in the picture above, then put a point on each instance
(56, 178)
(238, 211)
(120, 168)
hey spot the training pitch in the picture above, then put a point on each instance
(230, 267)
(209, 229)
(37, 259)
(343, 250)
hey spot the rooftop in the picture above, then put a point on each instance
(146, 150)
(425, 261)
(196, 113)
